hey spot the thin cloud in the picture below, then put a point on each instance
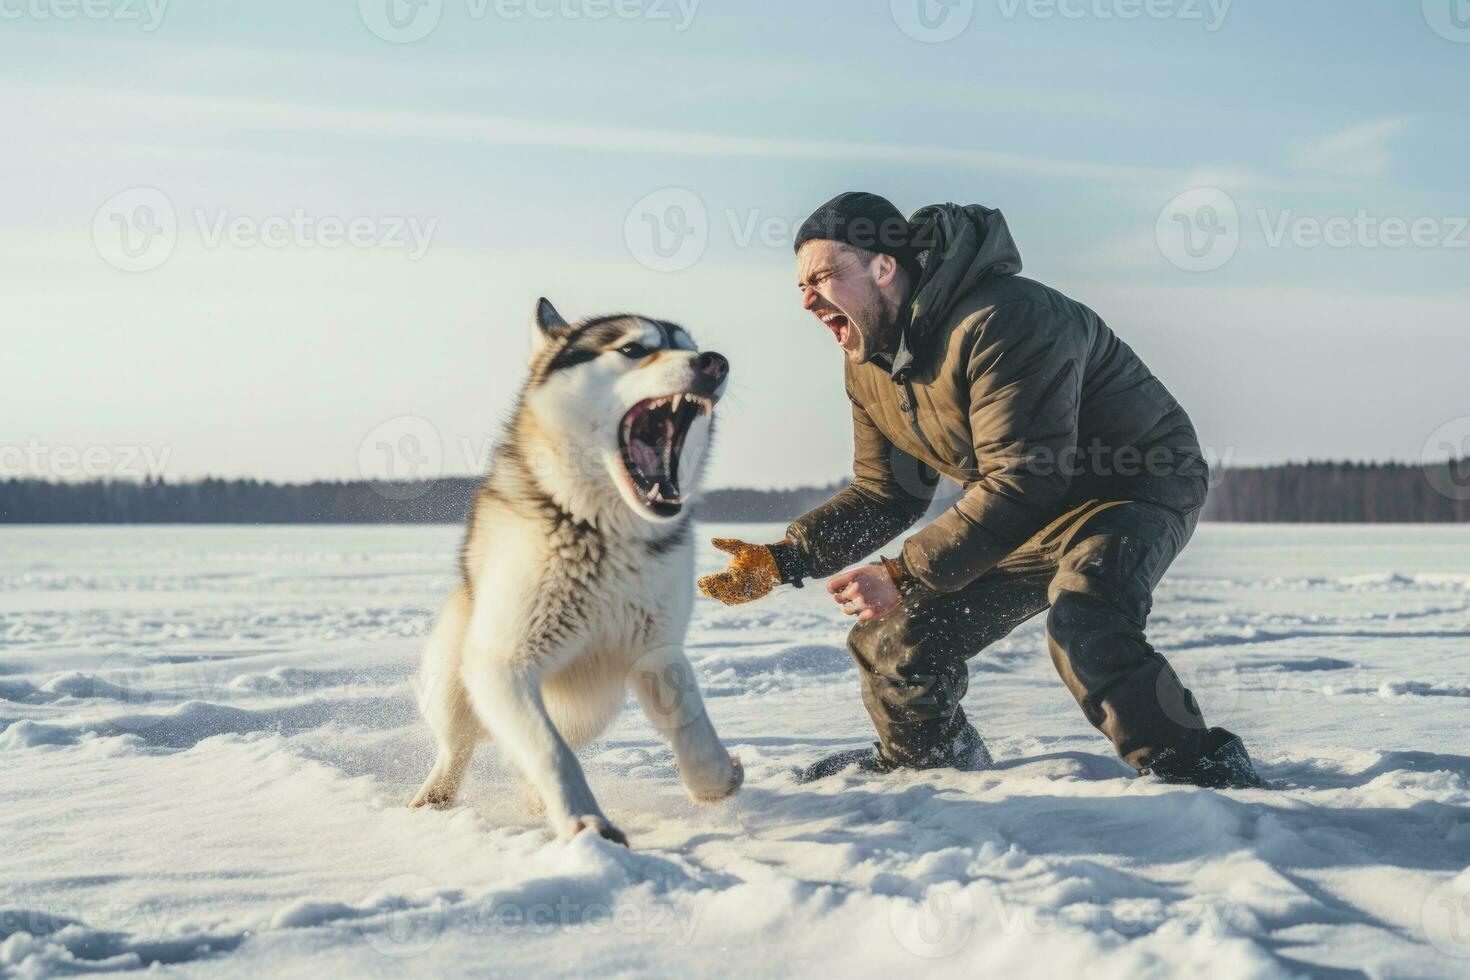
(69, 106)
(1358, 151)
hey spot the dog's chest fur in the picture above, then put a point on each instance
(561, 587)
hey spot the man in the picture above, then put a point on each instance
(1083, 480)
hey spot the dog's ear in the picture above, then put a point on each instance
(549, 325)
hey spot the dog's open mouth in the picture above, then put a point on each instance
(651, 438)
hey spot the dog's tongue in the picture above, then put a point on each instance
(648, 459)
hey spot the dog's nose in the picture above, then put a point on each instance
(712, 365)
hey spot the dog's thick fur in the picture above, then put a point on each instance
(572, 589)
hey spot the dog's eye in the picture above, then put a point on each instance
(634, 350)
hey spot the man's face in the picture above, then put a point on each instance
(844, 288)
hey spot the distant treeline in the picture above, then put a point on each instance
(1337, 493)
(1296, 492)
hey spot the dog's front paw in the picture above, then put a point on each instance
(600, 825)
(717, 790)
(437, 799)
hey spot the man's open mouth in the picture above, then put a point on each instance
(651, 438)
(839, 324)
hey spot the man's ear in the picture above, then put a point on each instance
(885, 269)
(549, 325)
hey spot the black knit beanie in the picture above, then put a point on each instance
(865, 221)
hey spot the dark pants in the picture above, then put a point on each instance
(1095, 568)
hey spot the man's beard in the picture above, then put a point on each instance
(876, 326)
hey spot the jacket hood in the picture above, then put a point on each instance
(957, 248)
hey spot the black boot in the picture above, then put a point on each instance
(1225, 765)
(866, 760)
(969, 754)
(965, 751)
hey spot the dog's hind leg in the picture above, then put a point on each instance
(664, 681)
(445, 705)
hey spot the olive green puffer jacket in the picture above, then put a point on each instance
(1020, 394)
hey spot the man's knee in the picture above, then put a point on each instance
(895, 651)
(1076, 616)
(1092, 638)
(877, 646)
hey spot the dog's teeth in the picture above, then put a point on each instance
(652, 493)
(678, 401)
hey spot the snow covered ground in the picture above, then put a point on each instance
(208, 735)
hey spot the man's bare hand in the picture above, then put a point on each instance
(866, 592)
(751, 575)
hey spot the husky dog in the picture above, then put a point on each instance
(576, 575)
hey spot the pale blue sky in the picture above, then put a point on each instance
(523, 144)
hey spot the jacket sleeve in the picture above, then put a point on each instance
(1025, 384)
(890, 491)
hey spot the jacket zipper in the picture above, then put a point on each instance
(911, 408)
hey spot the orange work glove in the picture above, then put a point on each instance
(752, 573)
